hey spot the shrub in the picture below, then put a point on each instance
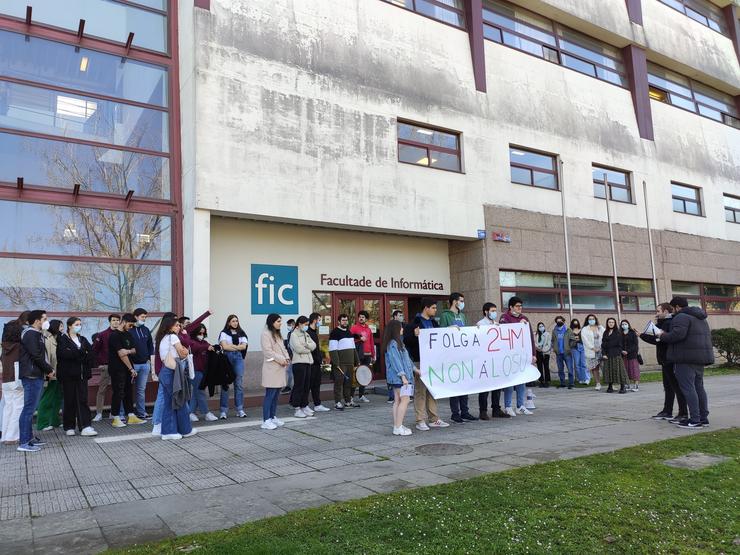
(727, 343)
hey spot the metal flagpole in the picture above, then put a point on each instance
(650, 243)
(611, 243)
(565, 237)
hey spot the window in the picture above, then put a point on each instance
(713, 298)
(702, 11)
(619, 184)
(533, 168)
(425, 146)
(686, 199)
(447, 11)
(677, 90)
(732, 209)
(541, 291)
(531, 33)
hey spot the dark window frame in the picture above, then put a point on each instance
(460, 12)
(533, 169)
(429, 148)
(702, 297)
(697, 200)
(735, 211)
(627, 178)
(721, 24)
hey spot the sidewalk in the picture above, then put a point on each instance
(83, 495)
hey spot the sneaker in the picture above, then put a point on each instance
(687, 424)
(352, 404)
(98, 417)
(439, 424)
(470, 417)
(663, 416)
(285, 390)
(390, 401)
(133, 419)
(171, 437)
(47, 429)
(118, 423)
(193, 431)
(405, 431)
(705, 423)
(241, 414)
(524, 410)
(307, 411)
(210, 417)
(157, 430)
(194, 418)
(222, 416)
(637, 387)
(338, 406)
(510, 411)
(37, 441)
(268, 425)
(29, 448)
(676, 420)
(397, 431)
(598, 387)
(457, 418)
(422, 426)
(89, 431)
(364, 399)
(277, 421)
(529, 404)
(299, 413)
(532, 394)
(321, 408)
(69, 432)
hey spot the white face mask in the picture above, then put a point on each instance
(201, 337)
(541, 328)
(492, 315)
(45, 325)
(304, 328)
(461, 305)
(625, 327)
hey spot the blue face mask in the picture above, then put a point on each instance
(139, 323)
(304, 328)
(76, 328)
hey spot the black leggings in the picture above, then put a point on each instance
(543, 365)
(121, 386)
(301, 385)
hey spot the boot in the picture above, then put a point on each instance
(484, 415)
(623, 388)
(610, 389)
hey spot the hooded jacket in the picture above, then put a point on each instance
(689, 339)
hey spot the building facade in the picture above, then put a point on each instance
(340, 155)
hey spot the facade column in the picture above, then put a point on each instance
(474, 22)
(636, 64)
(634, 10)
(733, 25)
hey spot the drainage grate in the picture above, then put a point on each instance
(443, 449)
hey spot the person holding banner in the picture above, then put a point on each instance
(454, 317)
(489, 319)
(514, 316)
(399, 373)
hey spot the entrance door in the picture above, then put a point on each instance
(352, 303)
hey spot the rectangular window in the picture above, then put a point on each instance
(702, 11)
(531, 33)
(618, 181)
(713, 298)
(426, 146)
(447, 11)
(533, 168)
(732, 209)
(686, 199)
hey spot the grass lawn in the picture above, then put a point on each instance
(621, 502)
(647, 376)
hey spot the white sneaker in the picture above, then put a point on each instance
(321, 408)
(598, 387)
(88, 432)
(338, 406)
(523, 410)
(439, 424)
(241, 414)
(637, 387)
(529, 404)
(69, 432)
(422, 426)
(192, 432)
(364, 399)
(171, 436)
(397, 431)
(510, 411)
(405, 431)
(268, 425)
(48, 429)
(194, 418)
(307, 411)
(299, 413)
(210, 417)
(277, 421)
(222, 416)
(98, 417)
(157, 430)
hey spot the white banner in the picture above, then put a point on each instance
(475, 359)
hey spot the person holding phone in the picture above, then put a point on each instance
(399, 373)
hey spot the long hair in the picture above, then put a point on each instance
(165, 327)
(271, 319)
(55, 327)
(624, 321)
(71, 321)
(227, 328)
(595, 319)
(539, 333)
(392, 332)
(23, 317)
(609, 330)
(196, 332)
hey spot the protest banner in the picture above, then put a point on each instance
(462, 361)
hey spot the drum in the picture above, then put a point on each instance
(363, 375)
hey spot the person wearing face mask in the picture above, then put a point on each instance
(200, 348)
(611, 354)
(577, 353)
(631, 354)
(398, 315)
(454, 317)
(561, 347)
(302, 347)
(12, 401)
(234, 342)
(591, 336)
(34, 367)
(344, 360)
(122, 372)
(514, 316)
(47, 413)
(144, 345)
(365, 345)
(318, 358)
(490, 318)
(543, 344)
(74, 368)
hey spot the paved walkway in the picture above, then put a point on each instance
(84, 495)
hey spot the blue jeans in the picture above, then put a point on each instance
(237, 364)
(198, 403)
(142, 376)
(562, 361)
(269, 406)
(158, 404)
(32, 388)
(173, 421)
(521, 395)
(579, 363)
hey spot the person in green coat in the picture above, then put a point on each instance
(47, 416)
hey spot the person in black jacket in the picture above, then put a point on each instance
(33, 369)
(315, 380)
(141, 359)
(75, 359)
(690, 350)
(611, 351)
(631, 352)
(663, 319)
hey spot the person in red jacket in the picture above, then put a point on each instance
(365, 346)
(515, 316)
(200, 347)
(100, 348)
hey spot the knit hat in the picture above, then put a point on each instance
(679, 302)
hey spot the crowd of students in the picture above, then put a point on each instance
(37, 351)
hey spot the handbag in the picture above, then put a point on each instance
(639, 359)
(191, 366)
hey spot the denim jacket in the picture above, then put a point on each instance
(398, 363)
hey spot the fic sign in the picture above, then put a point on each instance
(274, 289)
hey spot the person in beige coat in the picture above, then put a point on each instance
(276, 360)
(302, 347)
